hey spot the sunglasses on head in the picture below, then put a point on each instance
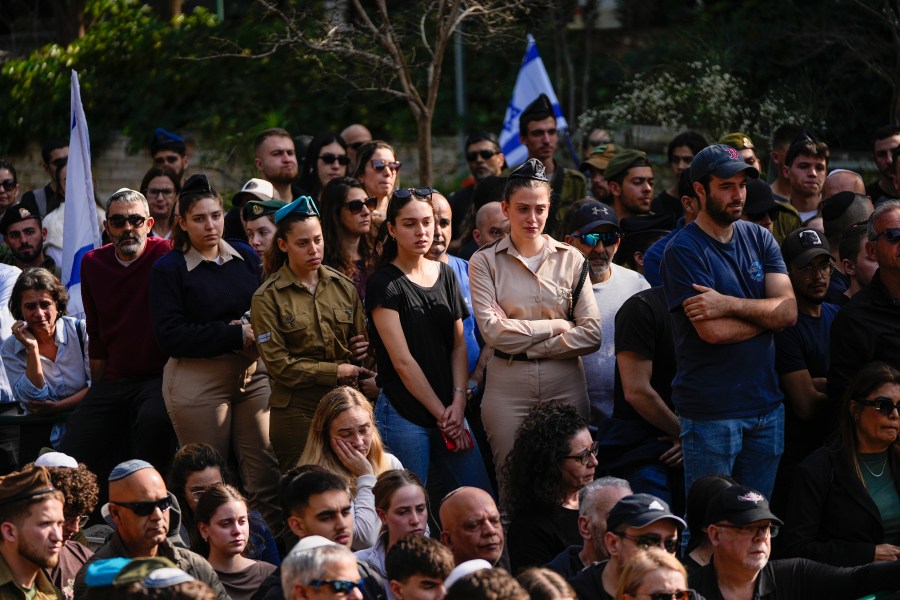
(380, 165)
(484, 154)
(422, 193)
(679, 595)
(118, 221)
(328, 158)
(9, 184)
(144, 509)
(891, 235)
(651, 540)
(882, 404)
(355, 206)
(338, 586)
(592, 239)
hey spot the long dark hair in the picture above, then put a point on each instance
(180, 239)
(309, 175)
(217, 495)
(365, 152)
(395, 205)
(193, 458)
(275, 257)
(333, 197)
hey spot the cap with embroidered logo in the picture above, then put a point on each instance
(741, 506)
(720, 160)
(593, 215)
(803, 245)
(640, 510)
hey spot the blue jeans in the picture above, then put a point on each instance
(417, 447)
(746, 449)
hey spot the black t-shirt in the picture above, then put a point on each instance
(428, 317)
(588, 584)
(537, 535)
(878, 195)
(666, 203)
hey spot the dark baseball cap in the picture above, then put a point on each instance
(640, 510)
(720, 160)
(593, 215)
(759, 198)
(741, 506)
(803, 245)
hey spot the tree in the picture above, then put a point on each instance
(397, 50)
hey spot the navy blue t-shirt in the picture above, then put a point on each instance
(805, 345)
(721, 381)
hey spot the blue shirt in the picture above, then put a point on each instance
(461, 268)
(721, 381)
(654, 254)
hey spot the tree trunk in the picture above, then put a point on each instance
(424, 142)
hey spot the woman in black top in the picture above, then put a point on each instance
(416, 312)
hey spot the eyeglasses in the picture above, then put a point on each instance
(810, 271)
(339, 586)
(651, 540)
(585, 456)
(9, 184)
(882, 404)
(153, 192)
(118, 221)
(59, 163)
(484, 154)
(328, 158)
(679, 595)
(891, 235)
(145, 509)
(380, 165)
(754, 530)
(80, 520)
(355, 206)
(756, 217)
(592, 239)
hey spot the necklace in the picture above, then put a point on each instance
(873, 473)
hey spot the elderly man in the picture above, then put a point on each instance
(740, 527)
(595, 500)
(31, 535)
(472, 526)
(327, 571)
(636, 521)
(123, 414)
(139, 507)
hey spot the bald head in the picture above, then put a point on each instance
(472, 526)
(138, 505)
(842, 180)
(490, 224)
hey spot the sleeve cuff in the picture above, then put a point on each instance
(327, 374)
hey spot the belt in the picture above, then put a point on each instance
(520, 357)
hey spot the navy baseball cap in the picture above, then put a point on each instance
(720, 160)
(593, 215)
(740, 505)
(640, 510)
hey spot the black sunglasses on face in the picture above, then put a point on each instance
(484, 154)
(679, 595)
(380, 165)
(882, 404)
(9, 184)
(355, 206)
(891, 235)
(118, 221)
(145, 509)
(651, 540)
(329, 158)
(59, 163)
(338, 586)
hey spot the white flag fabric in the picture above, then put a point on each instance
(80, 232)
(531, 83)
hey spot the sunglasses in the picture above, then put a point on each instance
(339, 586)
(423, 193)
(754, 530)
(355, 206)
(585, 456)
(328, 158)
(679, 595)
(9, 184)
(882, 404)
(891, 235)
(380, 165)
(118, 221)
(59, 163)
(592, 239)
(145, 509)
(484, 154)
(651, 540)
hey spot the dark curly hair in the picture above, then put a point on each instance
(79, 486)
(532, 473)
(193, 458)
(42, 280)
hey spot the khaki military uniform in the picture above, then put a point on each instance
(9, 590)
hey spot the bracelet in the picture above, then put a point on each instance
(461, 391)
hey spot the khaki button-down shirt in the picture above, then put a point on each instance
(9, 590)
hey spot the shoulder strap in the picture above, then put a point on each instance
(577, 291)
(80, 336)
(40, 199)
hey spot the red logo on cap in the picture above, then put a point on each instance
(733, 154)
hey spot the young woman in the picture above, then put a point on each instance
(346, 225)
(46, 357)
(161, 187)
(258, 217)
(343, 439)
(9, 186)
(213, 391)
(402, 506)
(378, 169)
(524, 290)
(225, 528)
(416, 311)
(326, 159)
(310, 325)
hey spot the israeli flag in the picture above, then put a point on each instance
(531, 83)
(80, 232)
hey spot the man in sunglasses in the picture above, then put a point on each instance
(355, 136)
(637, 521)
(169, 150)
(326, 571)
(139, 506)
(867, 328)
(484, 159)
(43, 201)
(740, 527)
(594, 231)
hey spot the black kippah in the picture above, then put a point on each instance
(530, 169)
(835, 206)
(196, 184)
(538, 110)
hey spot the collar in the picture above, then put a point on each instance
(286, 277)
(764, 586)
(550, 245)
(193, 258)
(164, 549)
(41, 583)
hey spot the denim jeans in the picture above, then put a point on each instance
(418, 447)
(746, 449)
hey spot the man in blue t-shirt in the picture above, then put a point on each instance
(727, 289)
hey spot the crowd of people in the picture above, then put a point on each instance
(548, 384)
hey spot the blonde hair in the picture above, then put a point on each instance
(318, 449)
(643, 563)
